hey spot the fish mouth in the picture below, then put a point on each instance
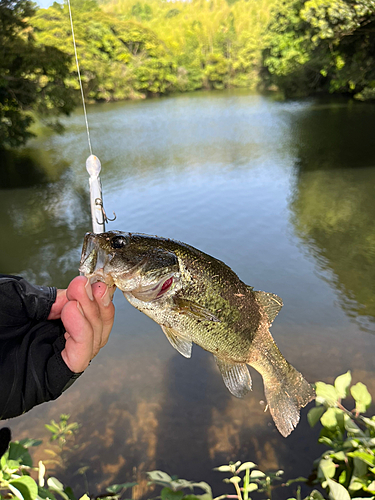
(93, 262)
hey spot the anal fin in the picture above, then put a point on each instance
(182, 345)
(236, 377)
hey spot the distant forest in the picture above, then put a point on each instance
(131, 49)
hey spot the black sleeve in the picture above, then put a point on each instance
(32, 370)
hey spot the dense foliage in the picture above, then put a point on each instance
(322, 45)
(136, 48)
(346, 470)
(31, 76)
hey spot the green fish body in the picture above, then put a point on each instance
(196, 298)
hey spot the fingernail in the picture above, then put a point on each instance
(106, 298)
(89, 290)
(80, 309)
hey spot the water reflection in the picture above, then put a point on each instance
(218, 171)
(333, 203)
(42, 231)
(27, 167)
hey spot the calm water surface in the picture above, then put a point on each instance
(283, 192)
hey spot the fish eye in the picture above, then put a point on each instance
(118, 242)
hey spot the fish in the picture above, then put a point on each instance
(196, 298)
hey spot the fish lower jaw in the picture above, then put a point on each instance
(99, 275)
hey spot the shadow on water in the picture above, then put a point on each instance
(192, 393)
(168, 430)
(26, 168)
(334, 134)
(186, 428)
(332, 207)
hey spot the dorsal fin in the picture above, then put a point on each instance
(271, 303)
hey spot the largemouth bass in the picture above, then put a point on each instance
(197, 298)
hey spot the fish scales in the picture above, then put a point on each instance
(197, 298)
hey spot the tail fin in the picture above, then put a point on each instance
(285, 388)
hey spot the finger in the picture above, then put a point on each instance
(79, 338)
(80, 290)
(61, 300)
(103, 296)
(97, 310)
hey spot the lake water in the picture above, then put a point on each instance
(283, 192)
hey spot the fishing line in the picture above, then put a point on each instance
(79, 78)
(93, 165)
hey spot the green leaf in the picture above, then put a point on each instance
(15, 492)
(19, 454)
(325, 440)
(368, 458)
(224, 468)
(352, 427)
(342, 384)
(68, 490)
(169, 494)
(252, 487)
(55, 485)
(339, 455)
(316, 495)
(115, 488)
(235, 479)
(361, 396)
(370, 487)
(355, 485)
(246, 466)
(342, 477)
(255, 474)
(26, 486)
(159, 476)
(369, 422)
(326, 394)
(299, 479)
(54, 428)
(27, 442)
(44, 493)
(314, 415)
(203, 486)
(332, 418)
(337, 491)
(326, 468)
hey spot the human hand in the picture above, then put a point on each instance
(87, 314)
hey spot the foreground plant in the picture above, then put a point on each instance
(256, 480)
(345, 471)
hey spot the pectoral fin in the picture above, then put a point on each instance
(183, 346)
(236, 377)
(185, 306)
(271, 303)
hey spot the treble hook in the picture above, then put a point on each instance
(99, 203)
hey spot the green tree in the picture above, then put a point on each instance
(322, 44)
(119, 59)
(32, 77)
